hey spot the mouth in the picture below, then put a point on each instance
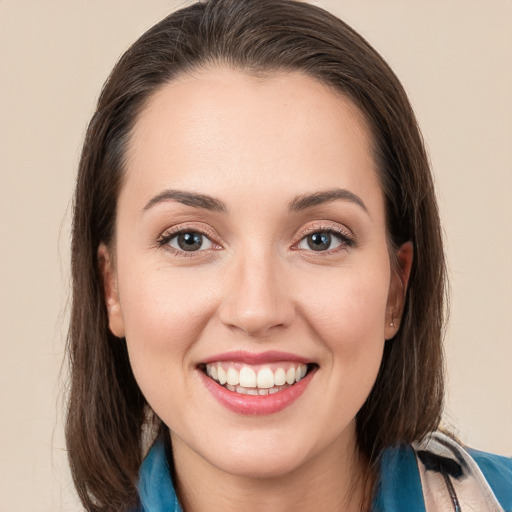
(256, 384)
(256, 380)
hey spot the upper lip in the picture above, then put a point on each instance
(250, 358)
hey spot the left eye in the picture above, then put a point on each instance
(189, 241)
(321, 241)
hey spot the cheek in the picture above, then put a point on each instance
(163, 313)
(164, 317)
(349, 320)
(348, 308)
(162, 303)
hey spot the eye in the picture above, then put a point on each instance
(186, 241)
(324, 240)
(320, 241)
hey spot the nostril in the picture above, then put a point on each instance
(255, 301)
(258, 322)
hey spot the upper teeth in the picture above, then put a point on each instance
(248, 377)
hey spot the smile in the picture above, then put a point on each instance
(256, 380)
(256, 384)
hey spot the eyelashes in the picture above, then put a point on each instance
(326, 238)
(322, 237)
(187, 241)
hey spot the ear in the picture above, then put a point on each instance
(398, 289)
(107, 268)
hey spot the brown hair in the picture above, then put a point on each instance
(107, 413)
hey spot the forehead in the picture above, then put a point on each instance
(220, 128)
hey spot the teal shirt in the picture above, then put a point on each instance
(399, 487)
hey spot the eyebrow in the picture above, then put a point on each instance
(299, 203)
(305, 201)
(188, 198)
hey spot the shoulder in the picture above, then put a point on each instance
(497, 470)
(438, 470)
(472, 474)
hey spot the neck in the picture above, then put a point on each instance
(338, 479)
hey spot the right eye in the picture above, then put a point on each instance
(183, 241)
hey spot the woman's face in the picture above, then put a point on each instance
(251, 246)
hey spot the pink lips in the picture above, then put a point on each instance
(252, 404)
(249, 358)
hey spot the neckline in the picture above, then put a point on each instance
(398, 484)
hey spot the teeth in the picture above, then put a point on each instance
(290, 375)
(221, 375)
(280, 377)
(233, 377)
(265, 378)
(248, 381)
(247, 377)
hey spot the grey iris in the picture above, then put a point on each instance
(319, 241)
(190, 241)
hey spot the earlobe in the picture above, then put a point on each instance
(398, 288)
(115, 317)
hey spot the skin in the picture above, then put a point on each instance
(255, 144)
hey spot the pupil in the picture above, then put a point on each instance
(190, 241)
(319, 241)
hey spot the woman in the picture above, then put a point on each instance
(259, 279)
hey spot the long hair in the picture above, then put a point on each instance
(108, 417)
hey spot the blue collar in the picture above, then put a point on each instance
(155, 485)
(399, 485)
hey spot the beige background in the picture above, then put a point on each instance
(455, 60)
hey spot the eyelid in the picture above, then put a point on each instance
(202, 229)
(342, 231)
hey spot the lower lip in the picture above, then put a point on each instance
(255, 405)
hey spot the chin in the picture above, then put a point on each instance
(261, 467)
(259, 459)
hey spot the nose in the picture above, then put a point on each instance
(255, 297)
